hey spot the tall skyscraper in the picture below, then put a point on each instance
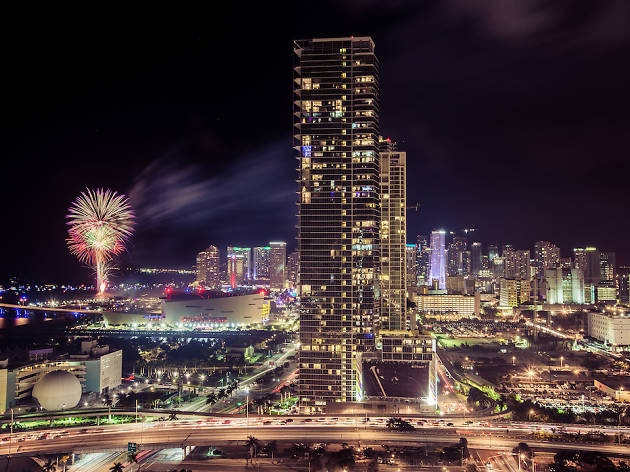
(455, 256)
(423, 259)
(208, 273)
(411, 263)
(546, 256)
(588, 259)
(437, 268)
(238, 265)
(277, 265)
(261, 263)
(493, 251)
(475, 252)
(517, 263)
(293, 269)
(607, 268)
(393, 253)
(335, 137)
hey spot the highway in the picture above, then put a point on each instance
(215, 431)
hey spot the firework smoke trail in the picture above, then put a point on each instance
(100, 223)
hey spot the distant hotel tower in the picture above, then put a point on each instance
(335, 138)
(207, 267)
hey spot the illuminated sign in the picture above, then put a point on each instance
(306, 151)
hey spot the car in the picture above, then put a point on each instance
(289, 420)
(267, 422)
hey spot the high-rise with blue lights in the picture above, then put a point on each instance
(437, 266)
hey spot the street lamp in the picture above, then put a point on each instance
(513, 359)
(561, 361)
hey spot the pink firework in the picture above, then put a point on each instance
(100, 223)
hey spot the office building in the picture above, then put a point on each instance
(238, 265)
(475, 254)
(546, 256)
(336, 133)
(610, 329)
(437, 260)
(261, 263)
(207, 268)
(395, 256)
(514, 292)
(277, 265)
(293, 269)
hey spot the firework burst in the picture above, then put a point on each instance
(99, 224)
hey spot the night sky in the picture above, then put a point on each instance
(515, 116)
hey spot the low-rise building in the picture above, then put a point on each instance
(610, 328)
(617, 387)
(455, 305)
(97, 370)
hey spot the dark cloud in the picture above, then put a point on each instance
(184, 207)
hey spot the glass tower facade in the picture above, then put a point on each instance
(336, 143)
(437, 266)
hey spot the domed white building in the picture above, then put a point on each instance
(57, 390)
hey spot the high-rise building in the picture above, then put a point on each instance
(455, 256)
(493, 251)
(475, 252)
(623, 285)
(546, 256)
(564, 286)
(423, 260)
(588, 259)
(514, 292)
(517, 263)
(238, 265)
(277, 265)
(411, 255)
(335, 137)
(261, 263)
(207, 268)
(394, 253)
(437, 265)
(607, 268)
(293, 269)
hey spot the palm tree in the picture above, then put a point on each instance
(252, 445)
(117, 467)
(172, 417)
(49, 466)
(133, 458)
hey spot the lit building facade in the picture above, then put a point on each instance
(612, 329)
(277, 265)
(475, 254)
(564, 286)
(546, 256)
(437, 265)
(424, 251)
(293, 269)
(450, 305)
(238, 265)
(393, 251)
(336, 133)
(261, 263)
(455, 256)
(514, 292)
(207, 268)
